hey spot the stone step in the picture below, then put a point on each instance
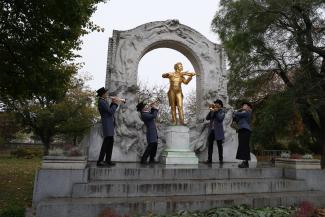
(92, 207)
(115, 173)
(136, 188)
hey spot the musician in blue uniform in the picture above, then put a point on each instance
(148, 114)
(243, 118)
(107, 117)
(216, 131)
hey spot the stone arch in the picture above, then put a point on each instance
(125, 50)
(181, 48)
(176, 45)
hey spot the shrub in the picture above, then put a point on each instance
(240, 211)
(13, 211)
(67, 146)
(110, 213)
(307, 157)
(75, 151)
(28, 153)
(56, 152)
(285, 155)
(305, 209)
(2, 141)
(65, 150)
(295, 147)
(295, 156)
(320, 212)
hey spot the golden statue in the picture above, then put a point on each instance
(175, 94)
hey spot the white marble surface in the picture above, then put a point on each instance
(178, 147)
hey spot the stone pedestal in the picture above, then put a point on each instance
(178, 147)
(64, 162)
(298, 163)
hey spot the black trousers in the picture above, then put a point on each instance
(106, 149)
(243, 152)
(210, 147)
(151, 151)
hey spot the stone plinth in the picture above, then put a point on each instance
(178, 147)
(57, 180)
(64, 162)
(297, 163)
(130, 189)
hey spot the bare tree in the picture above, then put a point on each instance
(190, 107)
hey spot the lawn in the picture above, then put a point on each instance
(17, 180)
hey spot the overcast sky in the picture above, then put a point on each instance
(128, 14)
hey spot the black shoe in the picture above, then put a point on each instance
(110, 164)
(208, 162)
(143, 162)
(153, 162)
(244, 164)
(101, 164)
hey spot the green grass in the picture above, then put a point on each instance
(17, 180)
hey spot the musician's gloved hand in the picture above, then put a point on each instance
(115, 101)
(155, 106)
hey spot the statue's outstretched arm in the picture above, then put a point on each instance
(165, 75)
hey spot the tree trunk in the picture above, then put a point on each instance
(317, 130)
(321, 135)
(46, 148)
(74, 140)
(322, 142)
(46, 142)
(322, 162)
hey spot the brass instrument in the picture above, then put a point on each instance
(118, 99)
(240, 110)
(214, 107)
(153, 103)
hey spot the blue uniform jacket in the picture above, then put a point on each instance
(149, 120)
(244, 119)
(107, 116)
(216, 122)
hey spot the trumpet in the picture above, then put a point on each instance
(118, 99)
(239, 110)
(153, 103)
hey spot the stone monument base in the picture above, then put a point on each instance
(178, 147)
(130, 189)
(298, 163)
